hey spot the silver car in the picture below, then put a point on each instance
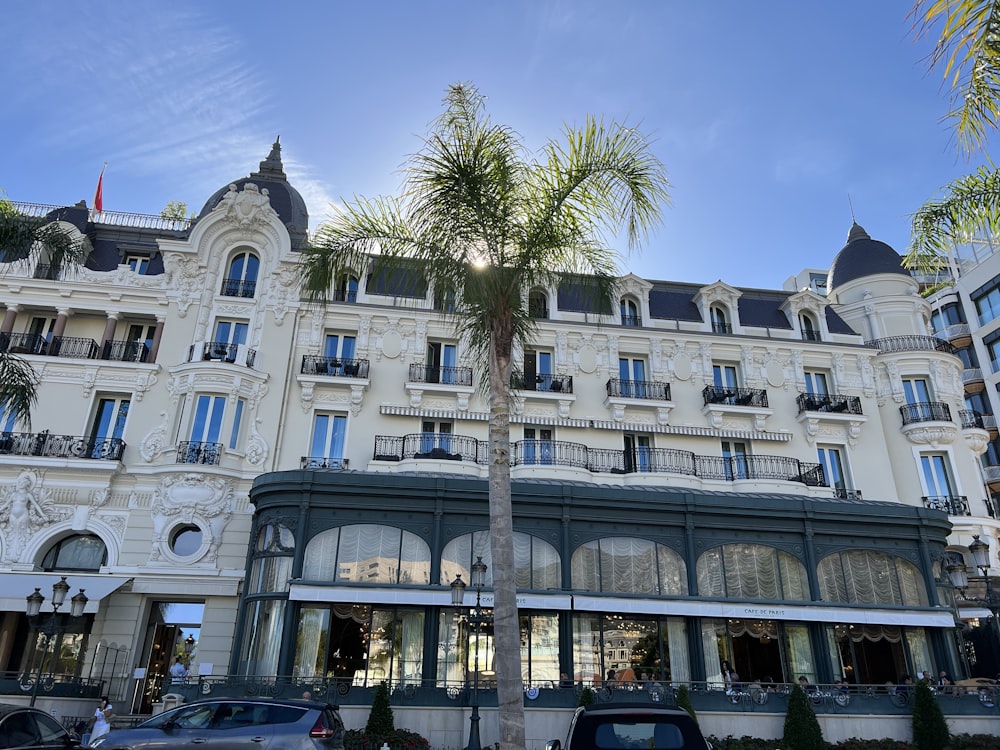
(234, 723)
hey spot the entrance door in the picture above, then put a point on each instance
(173, 629)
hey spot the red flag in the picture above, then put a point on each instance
(99, 195)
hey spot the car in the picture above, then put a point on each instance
(617, 726)
(261, 723)
(29, 728)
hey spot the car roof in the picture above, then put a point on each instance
(9, 708)
(268, 701)
(631, 708)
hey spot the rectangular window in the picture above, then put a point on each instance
(207, 424)
(140, 342)
(936, 475)
(637, 453)
(234, 436)
(329, 431)
(229, 334)
(436, 436)
(138, 263)
(442, 362)
(832, 461)
(915, 390)
(988, 305)
(339, 346)
(735, 459)
(538, 370)
(725, 378)
(537, 447)
(632, 373)
(816, 384)
(108, 426)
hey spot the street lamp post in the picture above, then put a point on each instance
(958, 573)
(476, 620)
(54, 624)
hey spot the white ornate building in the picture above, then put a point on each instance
(773, 477)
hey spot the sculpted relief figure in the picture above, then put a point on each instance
(22, 512)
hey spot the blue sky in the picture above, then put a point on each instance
(767, 115)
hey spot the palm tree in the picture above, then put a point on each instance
(968, 49)
(24, 238)
(484, 222)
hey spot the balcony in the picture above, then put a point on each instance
(561, 453)
(436, 374)
(842, 493)
(238, 287)
(72, 347)
(323, 463)
(631, 321)
(48, 445)
(809, 334)
(829, 403)
(958, 334)
(650, 390)
(125, 351)
(345, 295)
(731, 396)
(722, 328)
(542, 383)
(953, 505)
(433, 446)
(971, 420)
(222, 351)
(196, 452)
(334, 366)
(896, 344)
(925, 411)
(972, 379)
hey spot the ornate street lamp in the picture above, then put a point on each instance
(476, 620)
(54, 624)
(958, 573)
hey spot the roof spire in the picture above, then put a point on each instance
(271, 168)
(857, 233)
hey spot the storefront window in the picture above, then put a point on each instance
(800, 655)
(627, 565)
(540, 650)
(770, 651)
(367, 553)
(867, 654)
(269, 574)
(536, 562)
(634, 649)
(263, 637)
(870, 577)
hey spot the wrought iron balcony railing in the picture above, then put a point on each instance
(72, 347)
(809, 334)
(732, 396)
(198, 452)
(631, 321)
(443, 375)
(345, 295)
(925, 411)
(60, 446)
(843, 493)
(955, 331)
(432, 445)
(971, 419)
(542, 382)
(894, 344)
(334, 366)
(722, 328)
(323, 462)
(829, 402)
(648, 389)
(953, 505)
(222, 351)
(125, 351)
(238, 287)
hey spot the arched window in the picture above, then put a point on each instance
(867, 576)
(630, 313)
(538, 304)
(347, 288)
(627, 565)
(82, 552)
(241, 278)
(751, 571)
(367, 553)
(536, 562)
(720, 319)
(272, 560)
(810, 331)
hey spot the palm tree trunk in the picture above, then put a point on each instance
(506, 629)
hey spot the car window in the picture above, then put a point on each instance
(621, 733)
(18, 730)
(284, 714)
(49, 730)
(197, 716)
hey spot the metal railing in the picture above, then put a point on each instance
(432, 445)
(925, 411)
(843, 493)
(443, 375)
(234, 287)
(809, 334)
(953, 505)
(125, 351)
(545, 382)
(323, 462)
(60, 446)
(653, 390)
(222, 351)
(829, 402)
(732, 396)
(722, 328)
(23, 343)
(345, 295)
(139, 221)
(73, 347)
(970, 419)
(334, 366)
(893, 344)
(631, 321)
(972, 375)
(198, 452)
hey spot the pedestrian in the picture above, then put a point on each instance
(307, 695)
(102, 719)
(178, 672)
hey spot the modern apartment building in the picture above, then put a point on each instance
(282, 494)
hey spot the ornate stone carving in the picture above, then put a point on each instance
(248, 208)
(256, 450)
(153, 443)
(26, 506)
(191, 498)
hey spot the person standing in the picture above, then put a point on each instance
(178, 672)
(102, 719)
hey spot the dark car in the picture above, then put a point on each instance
(31, 729)
(230, 723)
(616, 726)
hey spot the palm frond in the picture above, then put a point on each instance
(18, 391)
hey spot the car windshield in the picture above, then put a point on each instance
(618, 733)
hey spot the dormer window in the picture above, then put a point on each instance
(347, 288)
(720, 320)
(444, 300)
(810, 331)
(241, 278)
(138, 263)
(630, 313)
(538, 304)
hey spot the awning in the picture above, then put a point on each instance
(304, 592)
(974, 613)
(16, 586)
